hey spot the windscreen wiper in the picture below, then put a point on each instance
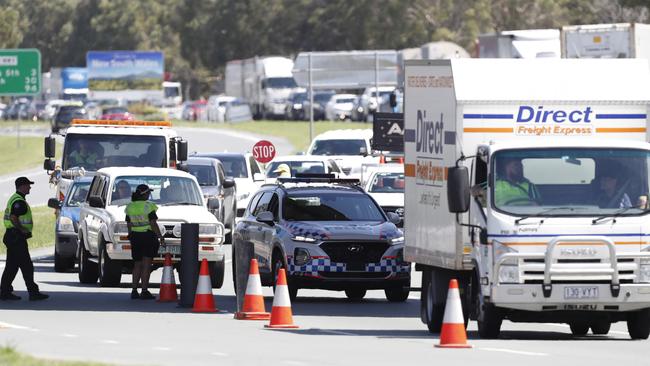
(616, 214)
(547, 211)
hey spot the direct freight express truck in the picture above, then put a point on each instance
(528, 181)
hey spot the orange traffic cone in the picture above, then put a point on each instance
(168, 284)
(281, 313)
(203, 299)
(253, 308)
(453, 324)
(382, 159)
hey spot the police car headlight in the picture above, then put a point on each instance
(301, 256)
(65, 224)
(303, 239)
(644, 271)
(398, 240)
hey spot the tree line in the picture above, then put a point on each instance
(199, 37)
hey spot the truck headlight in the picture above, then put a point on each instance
(509, 273)
(301, 256)
(65, 224)
(644, 271)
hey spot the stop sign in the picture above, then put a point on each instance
(263, 151)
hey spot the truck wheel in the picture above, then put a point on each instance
(432, 300)
(638, 324)
(355, 294)
(489, 318)
(110, 271)
(579, 329)
(601, 327)
(62, 264)
(87, 269)
(217, 272)
(396, 294)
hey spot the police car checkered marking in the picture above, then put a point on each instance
(326, 265)
(387, 265)
(309, 231)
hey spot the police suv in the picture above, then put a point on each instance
(328, 234)
(104, 247)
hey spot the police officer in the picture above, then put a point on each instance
(18, 223)
(144, 236)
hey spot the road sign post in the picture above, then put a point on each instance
(263, 151)
(20, 74)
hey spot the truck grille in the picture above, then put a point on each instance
(355, 254)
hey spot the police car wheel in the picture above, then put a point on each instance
(277, 265)
(396, 294)
(355, 294)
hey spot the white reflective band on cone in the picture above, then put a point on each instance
(167, 276)
(281, 297)
(254, 285)
(204, 286)
(453, 309)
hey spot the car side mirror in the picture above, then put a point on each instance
(363, 151)
(96, 202)
(50, 147)
(394, 218)
(213, 204)
(458, 193)
(265, 217)
(392, 100)
(181, 150)
(49, 164)
(54, 203)
(258, 177)
(228, 183)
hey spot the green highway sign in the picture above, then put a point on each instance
(20, 72)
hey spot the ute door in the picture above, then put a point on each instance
(93, 220)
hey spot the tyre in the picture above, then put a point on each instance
(355, 294)
(579, 329)
(432, 300)
(600, 328)
(62, 264)
(396, 294)
(638, 324)
(217, 272)
(110, 271)
(278, 263)
(87, 269)
(228, 238)
(489, 318)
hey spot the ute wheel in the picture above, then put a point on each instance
(579, 329)
(355, 294)
(217, 272)
(432, 300)
(87, 269)
(62, 264)
(601, 327)
(110, 271)
(396, 294)
(278, 263)
(638, 324)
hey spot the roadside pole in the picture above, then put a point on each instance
(311, 104)
(18, 133)
(376, 84)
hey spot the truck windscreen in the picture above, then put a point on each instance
(93, 152)
(570, 182)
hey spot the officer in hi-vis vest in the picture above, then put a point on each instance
(18, 223)
(144, 236)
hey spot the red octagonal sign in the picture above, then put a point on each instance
(264, 151)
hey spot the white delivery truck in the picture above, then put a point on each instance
(527, 43)
(263, 82)
(623, 40)
(555, 226)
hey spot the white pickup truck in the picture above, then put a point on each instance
(104, 248)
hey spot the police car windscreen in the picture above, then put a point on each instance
(571, 181)
(334, 206)
(93, 152)
(338, 147)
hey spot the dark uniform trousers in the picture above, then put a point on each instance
(17, 258)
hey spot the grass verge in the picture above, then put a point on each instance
(297, 132)
(43, 233)
(15, 158)
(9, 357)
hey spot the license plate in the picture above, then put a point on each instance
(171, 249)
(580, 292)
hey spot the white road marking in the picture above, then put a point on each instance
(220, 354)
(15, 326)
(110, 341)
(68, 335)
(161, 349)
(505, 350)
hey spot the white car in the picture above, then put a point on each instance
(246, 172)
(104, 247)
(349, 148)
(340, 107)
(217, 107)
(369, 102)
(385, 184)
(304, 164)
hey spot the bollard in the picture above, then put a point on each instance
(189, 273)
(243, 255)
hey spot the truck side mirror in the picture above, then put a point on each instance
(458, 189)
(50, 147)
(181, 151)
(49, 164)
